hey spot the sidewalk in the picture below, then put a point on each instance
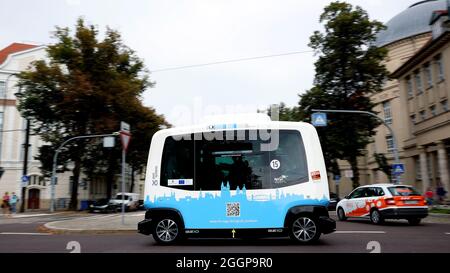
(97, 224)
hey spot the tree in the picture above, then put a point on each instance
(285, 113)
(383, 165)
(348, 70)
(87, 86)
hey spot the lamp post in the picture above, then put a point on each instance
(55, 160)
(394, 139)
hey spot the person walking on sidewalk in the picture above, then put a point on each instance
(441, 192)
(429, 196)
(5, 204)
(13, 202)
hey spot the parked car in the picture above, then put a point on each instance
(141, 205)
(334, 199)
(383, 201)
(131, 201)
(103, 205)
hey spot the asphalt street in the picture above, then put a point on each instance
(356, 236)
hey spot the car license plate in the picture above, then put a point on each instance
(409, 202)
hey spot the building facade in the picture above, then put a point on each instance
(13, 59)
(413, 102)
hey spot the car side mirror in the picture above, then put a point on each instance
(346, 197)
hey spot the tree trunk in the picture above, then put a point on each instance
(73, 205)
(132, 179)
(354, 165)
(110, 175)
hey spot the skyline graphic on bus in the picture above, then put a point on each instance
(225, 210)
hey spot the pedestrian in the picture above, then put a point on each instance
(13, 202)
(440, 192)
(429, 196)
(5, 204)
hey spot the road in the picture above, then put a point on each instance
(24, 235)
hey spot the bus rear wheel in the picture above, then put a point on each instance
(166, 231)
(305, 230)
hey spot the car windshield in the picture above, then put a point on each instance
(101, 202)
(119, 197)
(403, 191)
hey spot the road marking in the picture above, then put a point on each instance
(360, 231)
(23, 233)
(34, 215)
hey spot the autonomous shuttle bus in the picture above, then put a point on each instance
(235, 177)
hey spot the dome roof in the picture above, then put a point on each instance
(410, 22)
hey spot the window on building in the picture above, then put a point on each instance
(413, 119)
(409, 87)
(433, 110)
(418, 79)
(444, 105)
(413, 122)
(422, 114)
(387, 112)
(428, 75)
(440, 67)
(390, 143)
(2, 89)
(418, 170)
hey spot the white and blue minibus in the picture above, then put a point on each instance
(236, 177)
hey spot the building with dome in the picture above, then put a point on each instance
(415, 101)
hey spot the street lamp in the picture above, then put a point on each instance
(394, 139)
(55, 160)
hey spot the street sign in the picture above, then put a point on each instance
(125, 135)
(124, 127)
(125, 139)
(319, 119)
(25, 179)
(109, 142)
(398, 169)
(337, 179)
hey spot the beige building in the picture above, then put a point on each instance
(15, 58)
(414, 103)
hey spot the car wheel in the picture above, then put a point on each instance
(414, 221)
(166, 231)
(305, 229)
(341, 214)
(375, 217)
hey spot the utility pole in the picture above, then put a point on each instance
(26, 146)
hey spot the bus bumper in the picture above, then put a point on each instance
(327, 225)
(145, 227)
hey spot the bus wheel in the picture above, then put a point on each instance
(304, 229)
(166, 231)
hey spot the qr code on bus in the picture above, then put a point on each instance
(233, 210)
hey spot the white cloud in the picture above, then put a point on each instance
(183, 32)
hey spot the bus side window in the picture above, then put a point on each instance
(177, 162)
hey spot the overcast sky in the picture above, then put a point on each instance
(172, 33)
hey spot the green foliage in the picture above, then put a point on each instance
(383, 165)
(284, 113)
(87, 86)
(348, 70)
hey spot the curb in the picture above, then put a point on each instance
(437, 215)
(54, 230)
